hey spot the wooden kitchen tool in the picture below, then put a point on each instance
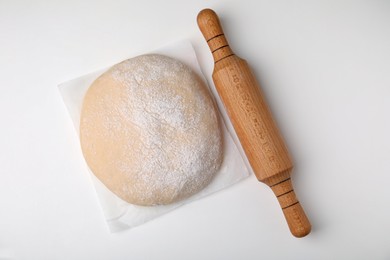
(253, 122)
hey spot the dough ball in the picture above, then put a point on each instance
(150, 132)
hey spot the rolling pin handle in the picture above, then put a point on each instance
(212, 31)
(296, 218)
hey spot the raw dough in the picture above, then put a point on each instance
(150, 132)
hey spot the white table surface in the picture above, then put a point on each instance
(324, 67)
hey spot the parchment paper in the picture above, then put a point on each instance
(119, 214)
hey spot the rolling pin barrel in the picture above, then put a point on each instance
(253, 122)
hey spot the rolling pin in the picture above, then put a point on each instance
(253, 122)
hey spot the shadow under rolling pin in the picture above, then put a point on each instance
(253, 122)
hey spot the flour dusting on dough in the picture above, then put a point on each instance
(150, 132)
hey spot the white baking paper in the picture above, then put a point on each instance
(119, 214)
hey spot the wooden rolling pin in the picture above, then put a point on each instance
(253, 123)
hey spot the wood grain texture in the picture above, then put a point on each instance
(253, 122)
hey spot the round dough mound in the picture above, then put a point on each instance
(150, 132)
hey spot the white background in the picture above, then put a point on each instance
(324, 67)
